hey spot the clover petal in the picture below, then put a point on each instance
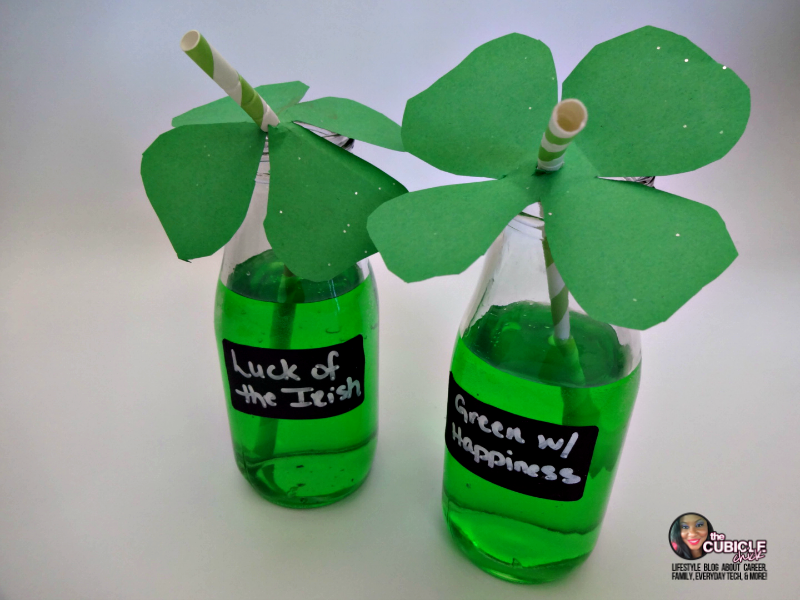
(658, 105)
(320, 198)
(443, 230)
(348, 118)
(199, 179)
(279, 96)
(485, 116)
(633, 255)
(630, 255)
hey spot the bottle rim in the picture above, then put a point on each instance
(529, 219)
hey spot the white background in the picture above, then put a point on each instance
(117, 479)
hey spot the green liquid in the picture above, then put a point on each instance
(309, 462)
(507, 359)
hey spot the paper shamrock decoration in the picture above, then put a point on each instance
(631, 255)
(200, 176)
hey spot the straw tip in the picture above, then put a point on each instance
(190, 40)
(570, 115)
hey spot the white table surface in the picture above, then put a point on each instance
(117, 478)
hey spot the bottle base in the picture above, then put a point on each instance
(529, 567)
(309, 480)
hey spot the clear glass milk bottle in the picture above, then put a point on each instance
(535, 422)
(299, 366)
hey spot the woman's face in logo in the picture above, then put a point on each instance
(694, 531)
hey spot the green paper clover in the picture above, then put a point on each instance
(200, 177)
(630, 255)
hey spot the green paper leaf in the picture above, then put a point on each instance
(279, 96)
(652, 112)
(633, 255)
(349, 118)
(488, 114)
(320, 198)
(199, 179)
(443, 230)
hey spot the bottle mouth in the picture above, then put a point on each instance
(530, 217)
(344, 142)
(532, 210)
(340, 140)
(528, 224)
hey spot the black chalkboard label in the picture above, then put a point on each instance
(531, 457)
(296, 384)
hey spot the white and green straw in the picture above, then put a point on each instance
(559, 296)
(567, 121)
(226, 77)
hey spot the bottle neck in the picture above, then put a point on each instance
(520, 292)
(514, 269)
(250, 239)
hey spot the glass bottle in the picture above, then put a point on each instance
(317, 446)
(535, 420)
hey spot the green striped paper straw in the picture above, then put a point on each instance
(567, 121)
(559, 296)
(226, 77)
(559, 309)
